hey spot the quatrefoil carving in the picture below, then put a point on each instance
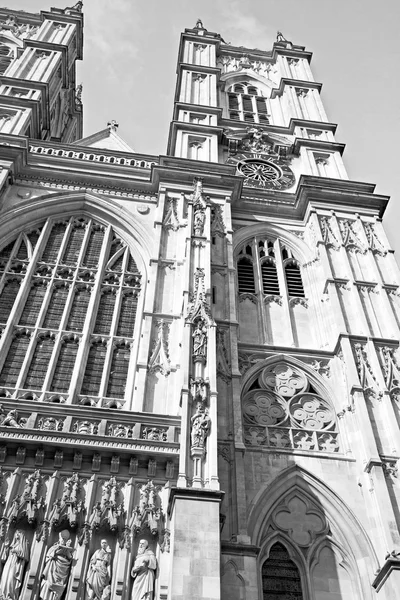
(301, 522)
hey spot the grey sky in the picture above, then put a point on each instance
(129, 66)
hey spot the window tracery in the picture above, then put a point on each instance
(283, 410)
(247, 103)
(259, 272)
(68, 301)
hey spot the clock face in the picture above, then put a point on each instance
(263, 173)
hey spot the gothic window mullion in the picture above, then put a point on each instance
(54, 305)
(111, 346)
(22, 295)
(52, 362)
(12, 360)
(259, 289)
(68, 304)
(283, 289)
(48, 237)
(84, 346)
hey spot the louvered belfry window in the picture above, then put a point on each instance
(68, 301)
(267, 267)
(247, 103)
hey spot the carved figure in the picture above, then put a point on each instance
(143, 573)
(201, 423)
(200, 338)
(99, 572)
(57, 568)
(11, 419)
(13, 572)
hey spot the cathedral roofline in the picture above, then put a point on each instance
(105, 139)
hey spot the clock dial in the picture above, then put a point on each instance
(262, 173)
(259, 171)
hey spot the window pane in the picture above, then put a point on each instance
(246, 276)
(293, 280)
(54, 243)
(94, 369)
(280, 576)
(73, 247)
(14, 360)
(78, 311)
(105, 312)
(33, 304)
(65, 366)
(270, 278)
(93, 249)
(7, 298)
(39, 363)
(56, 307)
(118, 373)
(127, 315)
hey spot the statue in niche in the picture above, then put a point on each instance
(200, 338)
(57, 568)
(15, 556)
(98, 577)
(143, 573)
(201, 424)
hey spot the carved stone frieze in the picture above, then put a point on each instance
(159, 359)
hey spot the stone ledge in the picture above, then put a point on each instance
(391, 564)
(204, 495)
(239, 549)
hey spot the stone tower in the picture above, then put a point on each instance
(198, 350)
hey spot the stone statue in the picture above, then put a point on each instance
(143, 573)
(11, 419)
(99, 573)
(201, 423)
(57, 568)
(200, 338)
(16, 556)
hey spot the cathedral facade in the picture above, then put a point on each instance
(199, 351)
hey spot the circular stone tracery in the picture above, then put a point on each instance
(286, 412)
(259, 170)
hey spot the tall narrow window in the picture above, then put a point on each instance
(280, 576)
(293, 279)
(58, 310)
(246, 103)
(257, 269)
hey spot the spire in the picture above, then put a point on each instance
(199, 25)
(75, 8)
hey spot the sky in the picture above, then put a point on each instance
(129, 69)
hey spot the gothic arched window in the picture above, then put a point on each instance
(68, 296)
(267, 266)
(280, 576)
(247, 103)
(282, 409)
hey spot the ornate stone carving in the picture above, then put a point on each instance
(159, 359)
(199, 207)
(217, 221)
(70, 507)
(22, 31)
(229, 64)
(201, 424)
(350, 236)
(199, 336)
(119, 430)
(284, 411)
(223, 366)
(171, 219)
(328, 236)
(158, 434)
(109, 510)
(85, 427)
(391, 370)
(29, 504)
(12, 419)
(300, 520)
(148, 513)
(199, 307)
(366, 375)
(50, 424)
(374, 242)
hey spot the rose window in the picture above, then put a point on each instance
(282, 410)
